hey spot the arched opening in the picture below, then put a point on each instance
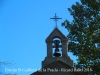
(56, 47)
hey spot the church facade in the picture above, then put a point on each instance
(57, 61)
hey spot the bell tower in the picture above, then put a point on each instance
(57, 48)
(57, 60)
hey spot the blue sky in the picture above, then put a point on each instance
(24, 26)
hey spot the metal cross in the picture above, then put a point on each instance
(55, 19)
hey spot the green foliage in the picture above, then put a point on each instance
(84, 34)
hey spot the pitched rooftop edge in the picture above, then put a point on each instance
(56, 35)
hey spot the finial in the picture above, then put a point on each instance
(56, 19)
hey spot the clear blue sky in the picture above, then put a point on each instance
(24, 26)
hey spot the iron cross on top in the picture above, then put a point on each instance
(56, 19)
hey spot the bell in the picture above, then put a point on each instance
(57, 53)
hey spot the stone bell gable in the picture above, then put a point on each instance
(56, 33)
(57, 61)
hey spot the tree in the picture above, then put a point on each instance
(84, 34)
(6, 64)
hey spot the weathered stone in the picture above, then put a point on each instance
(57, 65)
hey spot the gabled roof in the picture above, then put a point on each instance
(61, 65)
(56, 33)
(58, 62)
(52, 65)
